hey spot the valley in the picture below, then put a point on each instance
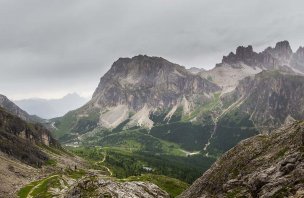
(152, 128)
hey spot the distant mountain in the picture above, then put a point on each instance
(195, 70)
(245, 62)
(51, 108)
(262, 166)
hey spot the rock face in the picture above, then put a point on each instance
(270, 98)
(262, 166)
(18, 139)
(107, 188)
(270, 58)
(297, 60)
(246, 62)
(152, 81)
(136, 87)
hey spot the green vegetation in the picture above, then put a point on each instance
(189, 136)
(205, 109)
(71, 123)
(51, 162)
(231, 129)
(134, 140)
(40, 188)
(125, 163)
(172, 186)
(23, 192)
(75, 174)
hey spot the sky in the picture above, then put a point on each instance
(51, 48)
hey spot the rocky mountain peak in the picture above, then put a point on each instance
(300, 51)
(143, 65)
(146, 73)
(143, 83)
(278, 57)
(281, 53)
(283, 47)
(243, 54)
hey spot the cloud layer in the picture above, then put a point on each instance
(50, 48)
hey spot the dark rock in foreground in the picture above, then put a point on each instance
(262, 166)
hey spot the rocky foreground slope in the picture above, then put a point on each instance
(100, 187)
(262, 166)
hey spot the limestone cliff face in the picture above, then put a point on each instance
(151, 81)
(19, 139)
(141, 85)
(262, 166)
(270, 98)
(246, 62)
(297, 60)
(270, 58)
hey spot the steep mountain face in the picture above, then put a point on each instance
(53, 107)
(297, 60)
(271, 98)
(150, 81)
(245, 62)
(258, 105)
(262, 166)
(11, 107)
(19, 139)
(134, 88)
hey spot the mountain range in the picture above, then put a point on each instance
(249, 92)
(151, 122)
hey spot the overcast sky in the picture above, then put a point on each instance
(51, 48)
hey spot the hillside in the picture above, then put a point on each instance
(27, 152)
(12, 108)
(262, 166)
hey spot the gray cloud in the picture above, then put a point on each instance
(50, 48)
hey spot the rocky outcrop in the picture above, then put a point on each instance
(19, 139)
(262, 166)
(99, 187)
(152, 81)
(297, 60)
(246, 62)
(270, 98)
(270, 58)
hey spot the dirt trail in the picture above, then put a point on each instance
(99, 163)
(38, 185)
